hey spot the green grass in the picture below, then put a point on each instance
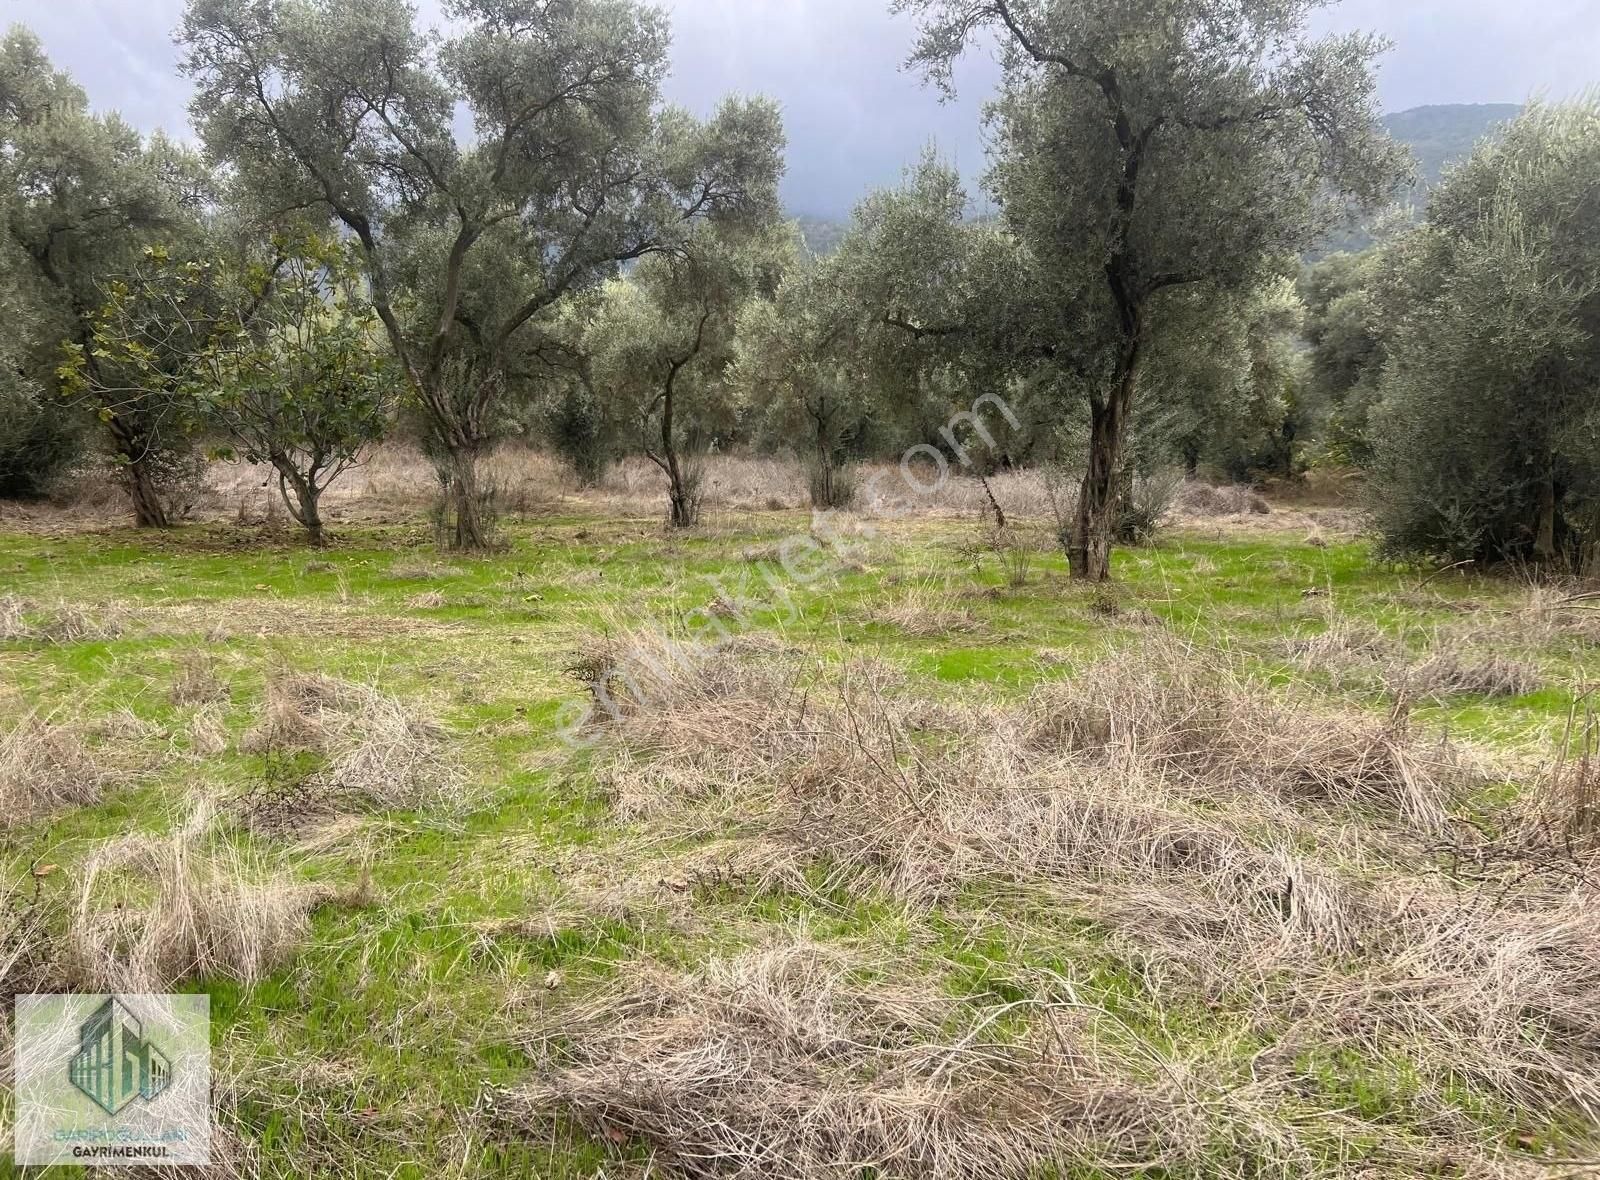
(400, 1017)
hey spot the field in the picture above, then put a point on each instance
(1269, 860)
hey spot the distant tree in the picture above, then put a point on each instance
(86, 195)
(1226, 383)
(1487, 436)
(280, 352)
(799, 362)
(344, 107)
(1136, 157)
(661, 344)
(1346, 327)
(574, 422)
(945, 318)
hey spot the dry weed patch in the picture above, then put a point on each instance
(1447, 674)
(59, 622)
(152, 912)
(380, 752)
(782, 1063)
(44, 767)
(197, 682)
(1301, 865)
(928, 611)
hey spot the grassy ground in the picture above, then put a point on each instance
(450, 948)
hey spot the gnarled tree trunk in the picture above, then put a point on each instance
(302, 497)
(469, 531)
(149, 507)
(1101, 494)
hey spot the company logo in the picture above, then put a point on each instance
(116, 1063)
(110, 1081)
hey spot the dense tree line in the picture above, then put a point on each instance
(611, 275)
(1460, 361)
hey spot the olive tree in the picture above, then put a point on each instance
(943, 319)
(799, 365)
(661, 345)
(1140, 150)
(85, 195)
(1225, 384)
(36, 439)
(347, 109)
(1346, 328)
(1487, 431)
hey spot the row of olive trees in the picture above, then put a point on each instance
(623, 262)
(275, 351)
(1462, 358)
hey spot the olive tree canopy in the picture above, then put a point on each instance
(573, 167)
(1146, 147)
(1487, 433)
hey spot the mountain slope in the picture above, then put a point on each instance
(1438, 135)
(1441, 135)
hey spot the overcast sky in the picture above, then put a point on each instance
(855, 119)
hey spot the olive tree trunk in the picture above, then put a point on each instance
(469, 531)
(1100, 496)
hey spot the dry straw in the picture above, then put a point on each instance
(1300, 864)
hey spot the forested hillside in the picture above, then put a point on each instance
(1441, 135)
(1437, 135)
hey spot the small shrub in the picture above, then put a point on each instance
(1014, 553)
(39, 442)
(1144, 505)
(575, 426)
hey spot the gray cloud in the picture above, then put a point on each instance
(855, 119)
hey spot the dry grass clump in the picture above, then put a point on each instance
(927, 611)
(197, 682)
(208, 732)
(1359, 654)
(1159, 708)
(782, 1063)
(1346, 641)
(152, 912)
(421, 571)
(61, 622)
(1447, 674)
(1203, 499)
(642, 673)
(381, 752)
(1565, 805)
(44, 767)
